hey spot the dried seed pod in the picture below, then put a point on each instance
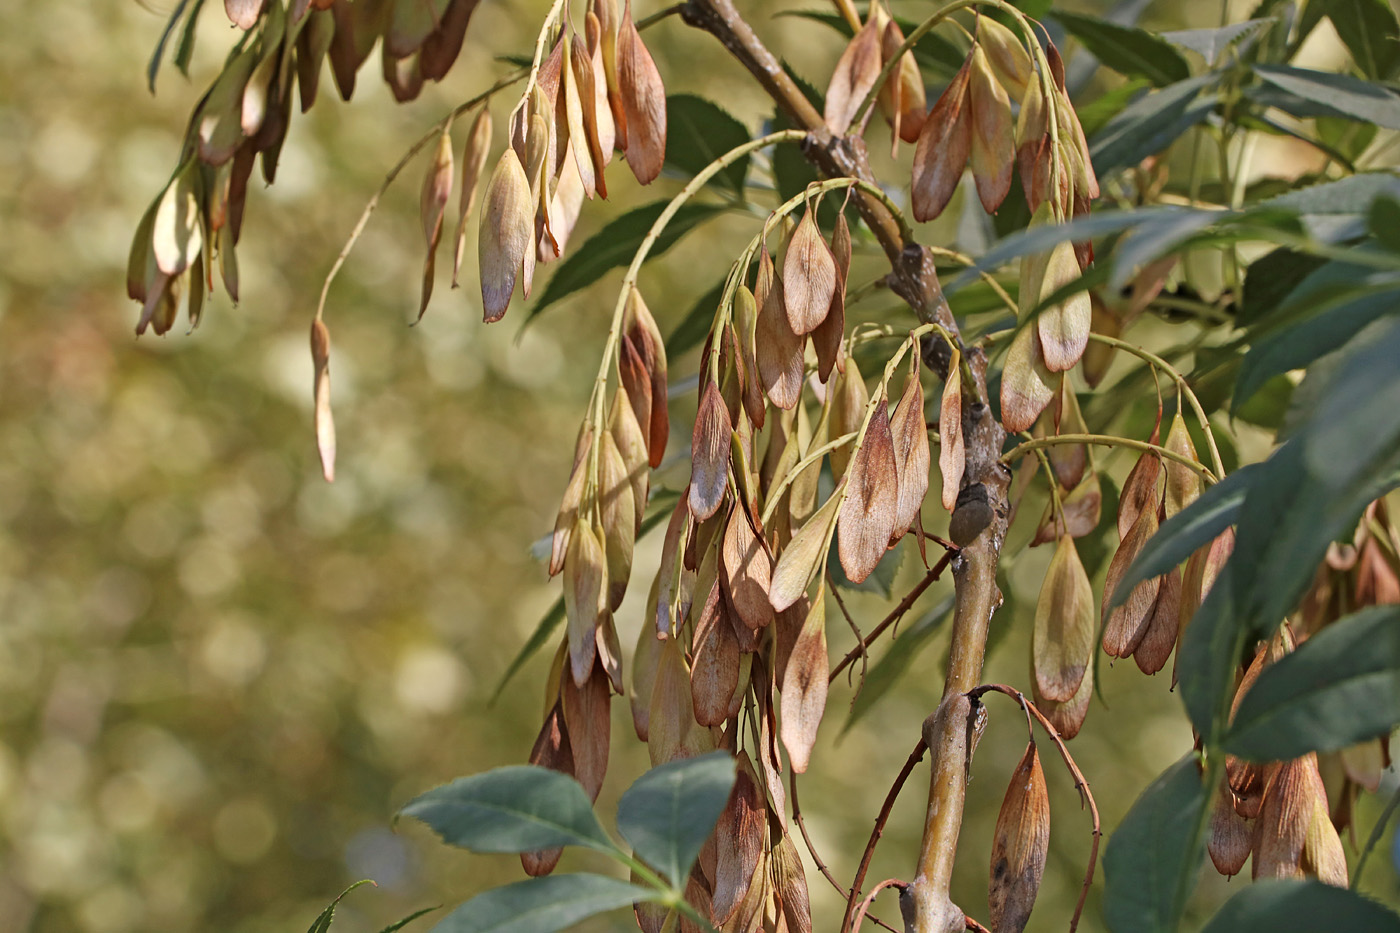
(847, 413)
(740, 838)
(1365, 763)
(748, 568)
(992, 152)
(1323, 856)
(1068, 717)
(643, 101)
(854, 78)
(569, 507)
(778, 349)
(632, 445)
(603, 125)
(1125, 625)
(619, 514)
(585, 585)
(1099, 356)
(1141, 490)
(745, 316)
(1033, 151)
(902, 97)
(444, 43)
(645, 659)
(809, 276)
(552, 750)
(1284, 820)
(671, 718)
(943, 148)
(1006, 55)
(325, 423)
(1079, 513)
(1183, 484)
(790, 884)
(1019, 845)
(1230, 837)
(714, 672)
(506, 238)
(577, 93)
(437, 188)
(1027, 386)
(872, 498)
(1064, 326)
(1064, 630)
(952, 445)
(177, 231)
(909, 432)
(1160, 638)
(586, 712)
(804, 556)
(829, 334)
(709, 464)
(243, 13)
(473, 164)
(610, 652)
(1069, 461)
(804, 685)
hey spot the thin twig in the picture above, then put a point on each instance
(1106, 440)
(860, 639)
(914, 757)
(816, 859)
(1081, 784)
(870, 899)
(895, 615)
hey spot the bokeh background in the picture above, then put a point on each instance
(220, 676)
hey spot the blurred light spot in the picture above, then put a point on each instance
(244, 829)
(207, 568)
(63, 150)
(154, 528)
(233, 513)
(127, 803)
(58, 768)
(110, 909)
(326, 509)
(429, 679)
(531, 362)
(233, 651)
(118, 596)
(379, 854)
(345, 582)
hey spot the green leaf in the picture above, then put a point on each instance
(1369, 30)
(896, 660)
(1208, 658)
(697, 133)
(1189, 530)
(1126, 49)
(1300, 907)
(185, 50)
(1151, 124)
(1151, 861)
(323, 922)
(1384, 221)
(1312, 332)
(400, 924)
(516, 809)
(542, 905)
(616, 244)
(1095, 115)
(1209, 43)
(671, 810)
(1341, 686)
(1351, 195)
(153, 67)
(1272, 278)
(1322, 93)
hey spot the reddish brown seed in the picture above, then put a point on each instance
(1067, 718)
(645, 335)
(804, 685)
(585, 586)
(552, 750)
(943, 148)
(619, 515)
(952, 447)
(1027, 386)
(790, 885)
(1141, 491)
(809, 276)
(1125, 625)
(804, 556)
(243, 13)
(778, 350)
(709, 464)
(748, 569)
(1080, 513)
(830, 333)
(1230, 837)
(868, 515)
(902, 97)
(912, 458)
(740, 840)
(854, 77)
(586, 712)
(643, 101)
(1064, 628)
(992, 150)
(1183, 484)
(506, 237)
(1019, 845)
(473, 164)
(1063, 326)
(714, 672)
(1158, 641)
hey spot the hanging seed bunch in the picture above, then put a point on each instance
(591, 94)
(195, 221)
